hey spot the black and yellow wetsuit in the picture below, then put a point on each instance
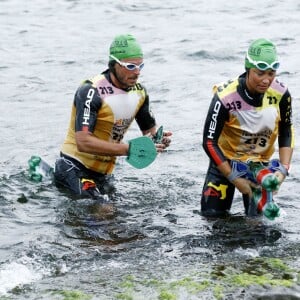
(243, 127)
(106, 111)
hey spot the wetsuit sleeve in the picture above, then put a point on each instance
(87, 102)
(216, 117)
(285, 130)
(144, 116)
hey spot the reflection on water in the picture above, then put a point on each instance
(243, 232)
(100, 223)
(142, 229)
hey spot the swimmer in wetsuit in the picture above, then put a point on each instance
(103, 109)
(245, 118)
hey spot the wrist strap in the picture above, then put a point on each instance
(232, 176)
(238, 169)
(287, 167)
(276, 165)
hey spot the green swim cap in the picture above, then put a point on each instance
(125, 46)
(262, 55)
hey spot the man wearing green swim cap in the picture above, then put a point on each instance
(103, 109)
(125, 61)
(246, 117)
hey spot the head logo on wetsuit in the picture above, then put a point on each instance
(213, 121)
(87, 109)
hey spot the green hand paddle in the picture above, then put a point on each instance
(159, 135)
(142, 152)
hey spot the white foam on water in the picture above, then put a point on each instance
(247, 253)
(19, 272)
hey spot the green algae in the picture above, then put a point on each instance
(246, 280)
(167, 295)
(219, 280)
(128, 282)
(73, 295)
(124, 296)
(260, 271)
(190, 285)
(218, 292)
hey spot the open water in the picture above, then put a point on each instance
(156, 245)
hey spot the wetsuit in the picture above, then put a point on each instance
(243, 127)
(107, 112)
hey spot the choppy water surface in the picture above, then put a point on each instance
(156, 245)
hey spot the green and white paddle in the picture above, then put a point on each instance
(142, 152)
(157, 139)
